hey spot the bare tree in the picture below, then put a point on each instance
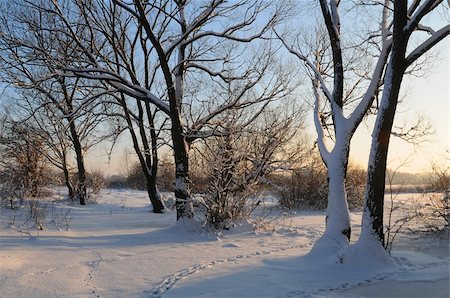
(51, 130)
(407, 21)
(171, 40)
(237, 163)
(29, 58)
(339, 106)
(23, 168)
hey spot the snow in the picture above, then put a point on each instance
(118, 248)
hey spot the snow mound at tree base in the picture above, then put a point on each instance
(368, 253)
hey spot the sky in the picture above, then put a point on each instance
(429, 96)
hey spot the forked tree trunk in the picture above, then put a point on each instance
(175, 96)
(145, 162)
(376, 175)
(338, 230)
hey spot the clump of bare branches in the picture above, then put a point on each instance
(24, 171)
(37, 213)
(437, 212)
(238, 163)
(95, 182)
(399, 212)
(307, 186)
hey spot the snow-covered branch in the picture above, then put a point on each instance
(428, 44)
(421, 11)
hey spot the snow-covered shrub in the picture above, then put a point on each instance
(221, 209)
(24, 169)
(435, 215)
(226, 196)
(95, 181)
(236, 165)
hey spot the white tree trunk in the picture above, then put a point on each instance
(337, 231)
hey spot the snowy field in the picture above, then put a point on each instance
(117, 248)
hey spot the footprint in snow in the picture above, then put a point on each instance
(230, 245)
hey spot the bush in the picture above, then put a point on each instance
(95, 181)
(135, 177)
(166, 174)
(24, 170)
(355, 186)
(116, 181)
(436, 215)
(307, 188)
(439, 179)
(222, 209)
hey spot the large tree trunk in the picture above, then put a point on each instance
(81, 187)
(376, 175)
(184, 205)
(337, 232)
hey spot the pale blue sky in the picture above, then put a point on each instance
(429, 96)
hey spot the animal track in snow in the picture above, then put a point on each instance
(170, 281)
(88, 280)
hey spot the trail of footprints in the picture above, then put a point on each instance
(170, 281)
(406, 266)
(92, 266)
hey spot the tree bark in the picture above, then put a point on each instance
(338, 217)
(67, 178)
(376, 175)
(153, 194)
(81, 187)
(183, 203)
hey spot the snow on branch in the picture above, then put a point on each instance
(369, 96)
(428, 44)
(220, 74)
(324, 153)
(421, 11)
(121, 85)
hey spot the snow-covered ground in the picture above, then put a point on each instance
(117, 248)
